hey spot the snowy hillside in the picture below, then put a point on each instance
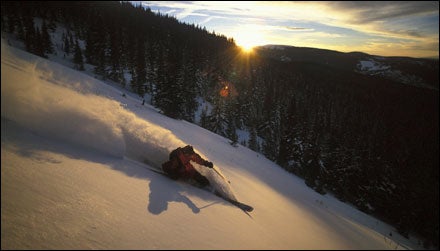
(378, 66)
(73, 177)
(418, 72)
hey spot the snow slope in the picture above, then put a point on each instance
(73, 177)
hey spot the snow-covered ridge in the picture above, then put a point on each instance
(380, 67)
(408, 71)
(372, 66)
(274, 47)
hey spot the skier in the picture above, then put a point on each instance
(180, 167)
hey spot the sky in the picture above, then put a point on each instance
(385, 28)
(74, 176)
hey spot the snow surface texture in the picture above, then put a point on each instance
(72, 177)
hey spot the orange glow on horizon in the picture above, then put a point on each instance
(248, 36)
(247, 48)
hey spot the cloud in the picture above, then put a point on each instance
(405, 20)
(372, 11)
(185, 13)
(170, 12)
(209, 18)
(405, 32)
(298, 28)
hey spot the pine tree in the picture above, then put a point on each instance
(70, 37)
(232, 118)
(217, 121)
(151, 69)
(38, 44)
(96, 43)
(100, 67)
(231, 131)
(29, 34)
(272, 134)
(115, 57)
(66, 45)
(139, 75)
(12, 10)
(77, 58)
(253, 142)
(45, 37)
(89, 50)
(288, 136)
(100, 54)
(204, 118)
(20, 30)
(12, 20)
(186, 81)
(170, 93)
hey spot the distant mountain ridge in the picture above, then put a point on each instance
(421, 72)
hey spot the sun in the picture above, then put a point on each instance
(248, 48)
(249, 36)
(248, 43)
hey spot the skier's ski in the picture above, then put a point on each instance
(240, 205)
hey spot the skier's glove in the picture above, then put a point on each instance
(209, 164)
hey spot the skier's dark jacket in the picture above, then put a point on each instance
(179, 165)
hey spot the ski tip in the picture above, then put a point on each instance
(248, 208)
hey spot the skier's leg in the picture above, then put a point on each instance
(202, 180)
